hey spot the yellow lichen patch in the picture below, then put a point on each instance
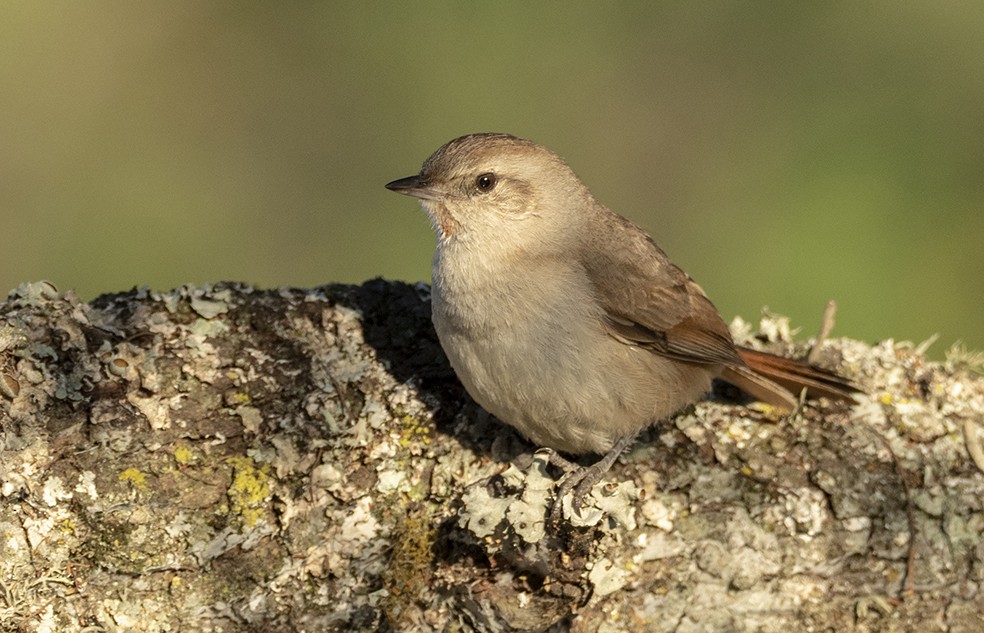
(183, 455)
(888, 398)
(136, 478)
(239, 398)
(66, 526)
(412, 430)
(768, 411)
(249, 490)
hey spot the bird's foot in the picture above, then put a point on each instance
(579, 480)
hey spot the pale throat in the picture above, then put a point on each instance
(444, 225)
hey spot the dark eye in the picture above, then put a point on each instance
(485, 182)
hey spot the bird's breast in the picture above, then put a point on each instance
(535, 300)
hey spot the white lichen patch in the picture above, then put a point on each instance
(775, 327)
(348, 539)
(525, 500)
(390, 481)
(806, 513)
(527, 515)
(251, 416)
(658, 514)
(155, 410)
(482, 513)
(607, 576)
(659, 545)
(607, 499)
(54, 491)
(87, 485)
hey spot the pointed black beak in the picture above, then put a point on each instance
(415, 186)
(403, 185)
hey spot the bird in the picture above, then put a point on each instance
(564, 319)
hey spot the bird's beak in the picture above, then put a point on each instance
(416, 186)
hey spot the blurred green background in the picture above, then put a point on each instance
(782, 153)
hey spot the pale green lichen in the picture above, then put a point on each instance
(524, 511)
(607, 576)
(207, 308)
(482, 512)
(527, 516)
(251, 417)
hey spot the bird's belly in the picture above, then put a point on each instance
(573, 391)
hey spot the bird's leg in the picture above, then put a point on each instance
(581, 479)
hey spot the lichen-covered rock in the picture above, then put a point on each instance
(228, 459)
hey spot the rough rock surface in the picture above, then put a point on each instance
(228, 459)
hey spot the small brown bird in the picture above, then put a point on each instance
(564, 319)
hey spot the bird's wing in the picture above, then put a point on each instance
(648, 301)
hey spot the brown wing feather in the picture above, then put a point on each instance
(650, 302)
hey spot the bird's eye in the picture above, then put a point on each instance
(485, 182)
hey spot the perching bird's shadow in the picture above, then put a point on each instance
(396, 321)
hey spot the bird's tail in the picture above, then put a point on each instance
(777, 380)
